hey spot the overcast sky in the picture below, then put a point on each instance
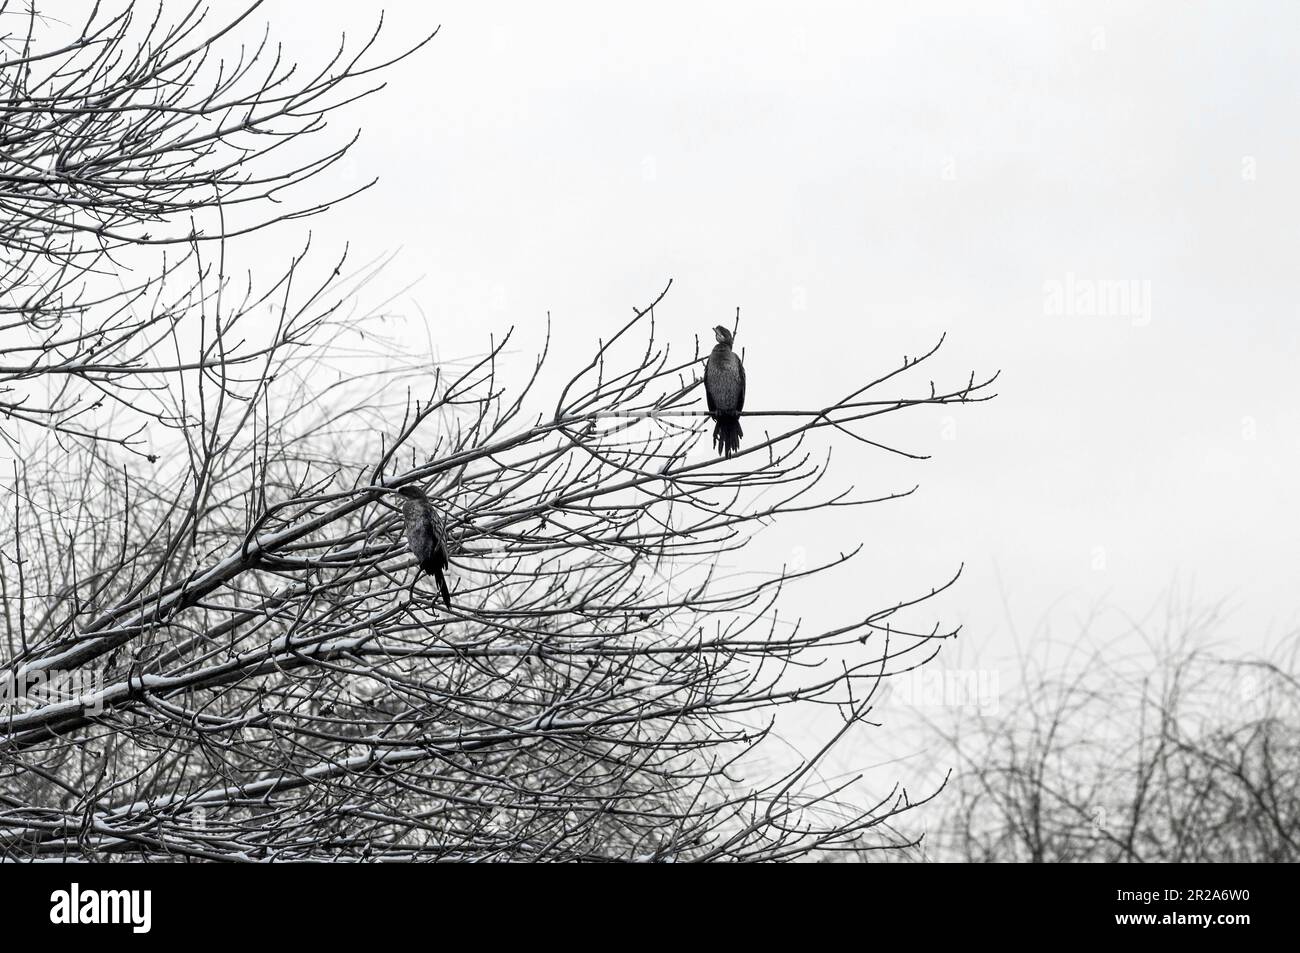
(859, 179)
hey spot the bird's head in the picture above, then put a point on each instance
(723, 335)
(410, 492)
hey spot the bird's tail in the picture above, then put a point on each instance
(434, 568)
(727, 434)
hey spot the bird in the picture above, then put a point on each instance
(724, 389)
(425, 536)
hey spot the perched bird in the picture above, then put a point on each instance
(425, 536)
(724, 388)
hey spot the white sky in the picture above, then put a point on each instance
(901, 170)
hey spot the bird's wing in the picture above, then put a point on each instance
(421, 538)
(708, 387)
(440, 534)
(740, 396)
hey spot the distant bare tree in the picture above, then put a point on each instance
(221, 655)
(1181, 755)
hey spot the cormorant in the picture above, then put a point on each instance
(724, 388)
(425, 536)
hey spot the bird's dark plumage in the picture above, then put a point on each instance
(724, 389)
(425, 536)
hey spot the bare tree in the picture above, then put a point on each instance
(1176, 755)
(224, 654)
(122, 140)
